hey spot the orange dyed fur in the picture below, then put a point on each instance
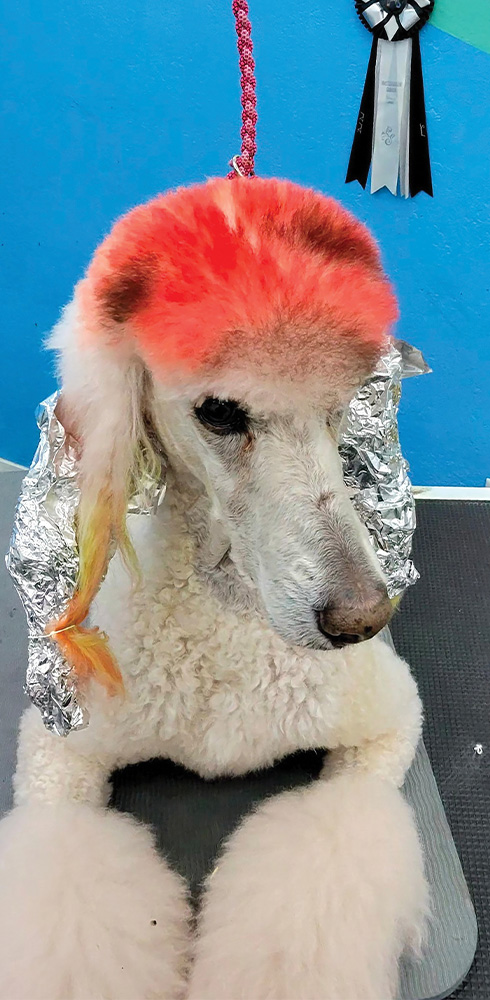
(88, 652)
(87, 649)
(239, 258)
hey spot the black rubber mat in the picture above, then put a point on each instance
(443, 630)
(192, 817)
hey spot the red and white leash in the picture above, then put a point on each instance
(244, 164)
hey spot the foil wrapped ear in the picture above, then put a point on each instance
(374, 467)
(71, 516)
(104, 396)
(43, 560)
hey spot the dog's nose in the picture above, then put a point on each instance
(347, 623)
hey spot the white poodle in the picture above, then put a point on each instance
(225, 327)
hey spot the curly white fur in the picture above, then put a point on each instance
(314, 898)
(219, 691)
(88, 910)
(319, 891)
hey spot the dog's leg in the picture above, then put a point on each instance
(88, 909)
(320, 891)
(314, 898)
(378, 714)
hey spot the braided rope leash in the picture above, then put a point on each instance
(244, 163)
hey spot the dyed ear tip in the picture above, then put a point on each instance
(87, 651)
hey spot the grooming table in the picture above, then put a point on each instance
(440, 631)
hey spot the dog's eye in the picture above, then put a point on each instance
(334, 419)
(223, 416)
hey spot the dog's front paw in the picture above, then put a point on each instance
(87, 909)
(314, 898)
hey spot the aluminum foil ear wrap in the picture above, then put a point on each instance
(43, 557)
(43, 562)
(374, 466)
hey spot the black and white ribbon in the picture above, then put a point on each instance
(391, 130)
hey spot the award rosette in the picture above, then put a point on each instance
(391, 130)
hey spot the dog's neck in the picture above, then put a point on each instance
(213, 562)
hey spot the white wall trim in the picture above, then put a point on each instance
(6, 466)
(451, 492)
(420, 492)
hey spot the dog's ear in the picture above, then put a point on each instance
(105, 405)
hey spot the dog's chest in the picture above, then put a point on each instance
(215, 690)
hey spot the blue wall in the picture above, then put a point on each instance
(105, 104)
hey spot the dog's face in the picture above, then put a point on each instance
(274, 502)
(258, 309)
(254, 309)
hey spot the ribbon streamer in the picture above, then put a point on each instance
(391, 129)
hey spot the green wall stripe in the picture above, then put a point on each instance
(468, 20)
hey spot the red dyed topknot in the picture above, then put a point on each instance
(199, 269)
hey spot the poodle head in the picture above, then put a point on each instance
(239, 317)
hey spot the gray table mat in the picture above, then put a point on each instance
(443, 631)
(453, 932)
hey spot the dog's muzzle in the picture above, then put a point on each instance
(349, 623)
